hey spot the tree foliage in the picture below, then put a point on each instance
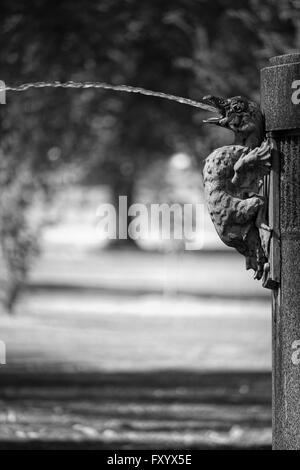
(184, 47)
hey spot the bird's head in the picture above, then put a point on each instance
(239, 115)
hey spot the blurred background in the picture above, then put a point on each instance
(119, 344)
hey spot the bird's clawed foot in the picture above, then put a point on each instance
(258, 273)
(265, 274)
(264, 226)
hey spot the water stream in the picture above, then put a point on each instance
(106, 86)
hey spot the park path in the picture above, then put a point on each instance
(100, 355)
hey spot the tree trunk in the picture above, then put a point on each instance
(121, 188)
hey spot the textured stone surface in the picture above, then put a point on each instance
(283, 121)
(276, 83)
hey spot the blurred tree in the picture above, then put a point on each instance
(184, 47)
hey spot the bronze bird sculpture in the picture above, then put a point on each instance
(233, 178)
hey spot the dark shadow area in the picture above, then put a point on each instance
(140, 410)
(88, 445)
(41, 288)
(167, 379)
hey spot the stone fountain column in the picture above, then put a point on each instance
(281, 104)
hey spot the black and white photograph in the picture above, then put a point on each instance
(149, 228)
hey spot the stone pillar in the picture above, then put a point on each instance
(280, 87)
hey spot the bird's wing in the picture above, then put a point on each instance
(251, 167)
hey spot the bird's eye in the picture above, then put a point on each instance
(237, 108)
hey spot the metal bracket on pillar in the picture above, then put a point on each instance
(271, 192)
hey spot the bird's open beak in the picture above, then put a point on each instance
(219, 105)
(213, 120)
